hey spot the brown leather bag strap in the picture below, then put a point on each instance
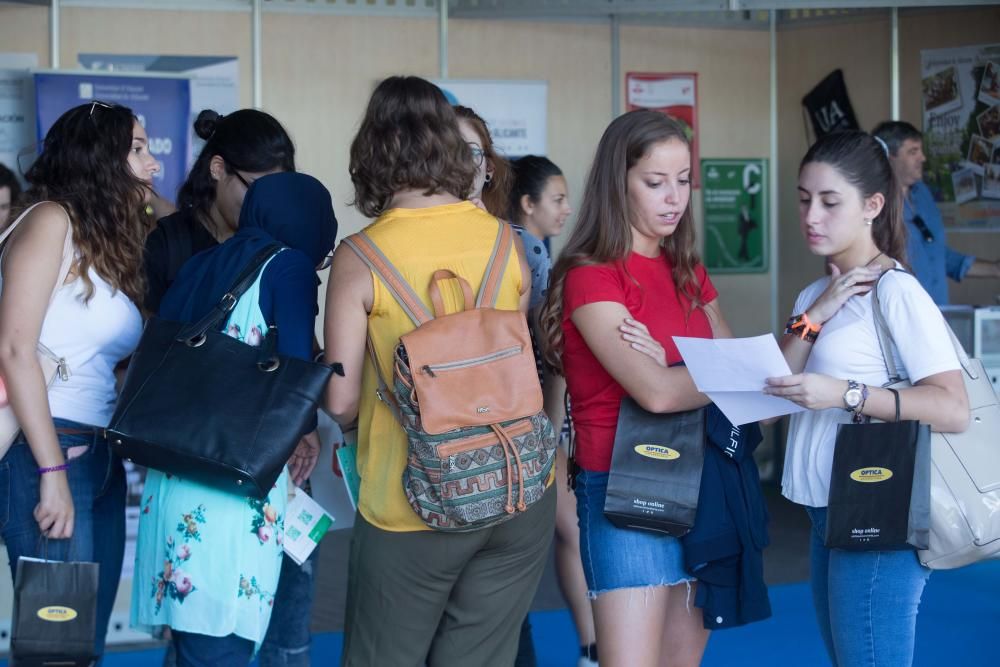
(380, 265)
(383, 392)
(435, 291)
(496, 267)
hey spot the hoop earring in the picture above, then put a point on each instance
(489, 177)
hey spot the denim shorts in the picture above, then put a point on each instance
(621, 557)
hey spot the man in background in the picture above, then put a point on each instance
(927, 252)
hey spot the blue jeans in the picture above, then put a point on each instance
(194, 650)
(286, 643)
(866, 601)
(288, 637)
(97, 484)
(526, 656)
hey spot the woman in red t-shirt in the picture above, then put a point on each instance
(627, 281)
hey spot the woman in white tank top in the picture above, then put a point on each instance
(92, 179)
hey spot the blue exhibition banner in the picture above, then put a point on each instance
(162, 105)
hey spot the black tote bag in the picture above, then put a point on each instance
(207, 407)
(54, 619)
(656, 469)
(880, 489)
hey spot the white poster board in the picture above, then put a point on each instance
(215, 81)
(961, 115)
(17, 111)
(515, 111)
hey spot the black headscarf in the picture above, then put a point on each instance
(289, 209)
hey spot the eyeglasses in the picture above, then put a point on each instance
(922, 228)
(242, 180)
(477, 154)
(325, 264)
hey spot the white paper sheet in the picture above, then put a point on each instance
(306, 523)
(732, 372)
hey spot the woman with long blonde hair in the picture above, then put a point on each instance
(626, 282)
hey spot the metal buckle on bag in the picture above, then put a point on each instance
(228, 302)
(196, 341)
(269, 365)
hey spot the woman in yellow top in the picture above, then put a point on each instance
(417, 596)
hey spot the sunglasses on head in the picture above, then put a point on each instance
(94, 104)
(921, 226)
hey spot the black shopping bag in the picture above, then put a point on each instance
(55, 614)
(656, 469)
(880, 490)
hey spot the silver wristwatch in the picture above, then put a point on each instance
(853, 396)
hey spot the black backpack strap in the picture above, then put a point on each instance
(243, 281)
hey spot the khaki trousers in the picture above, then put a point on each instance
(444, 599)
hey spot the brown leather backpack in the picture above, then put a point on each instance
(465, 390)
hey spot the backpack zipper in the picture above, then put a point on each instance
(434, 369)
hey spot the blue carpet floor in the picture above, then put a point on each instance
(959, 617)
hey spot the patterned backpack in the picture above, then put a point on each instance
(465, 391)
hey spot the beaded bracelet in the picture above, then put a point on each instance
(64, 466)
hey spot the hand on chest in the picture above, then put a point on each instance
(847, 346)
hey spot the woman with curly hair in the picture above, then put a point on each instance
(417, 596)
(91, 181)
(628, 281)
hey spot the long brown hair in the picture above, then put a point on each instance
(408, 138)
(863, 163)
(84, 167)
(603, 232)
(497, 189)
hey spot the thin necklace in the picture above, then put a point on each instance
(874, 258)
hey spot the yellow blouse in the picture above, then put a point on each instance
(458, 237)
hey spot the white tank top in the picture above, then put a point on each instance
(93, 337)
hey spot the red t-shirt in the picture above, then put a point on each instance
(595, 395)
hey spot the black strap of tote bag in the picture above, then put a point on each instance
(204, 406)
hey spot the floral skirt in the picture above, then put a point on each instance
(207, 561)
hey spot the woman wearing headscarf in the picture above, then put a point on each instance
(207, 561)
